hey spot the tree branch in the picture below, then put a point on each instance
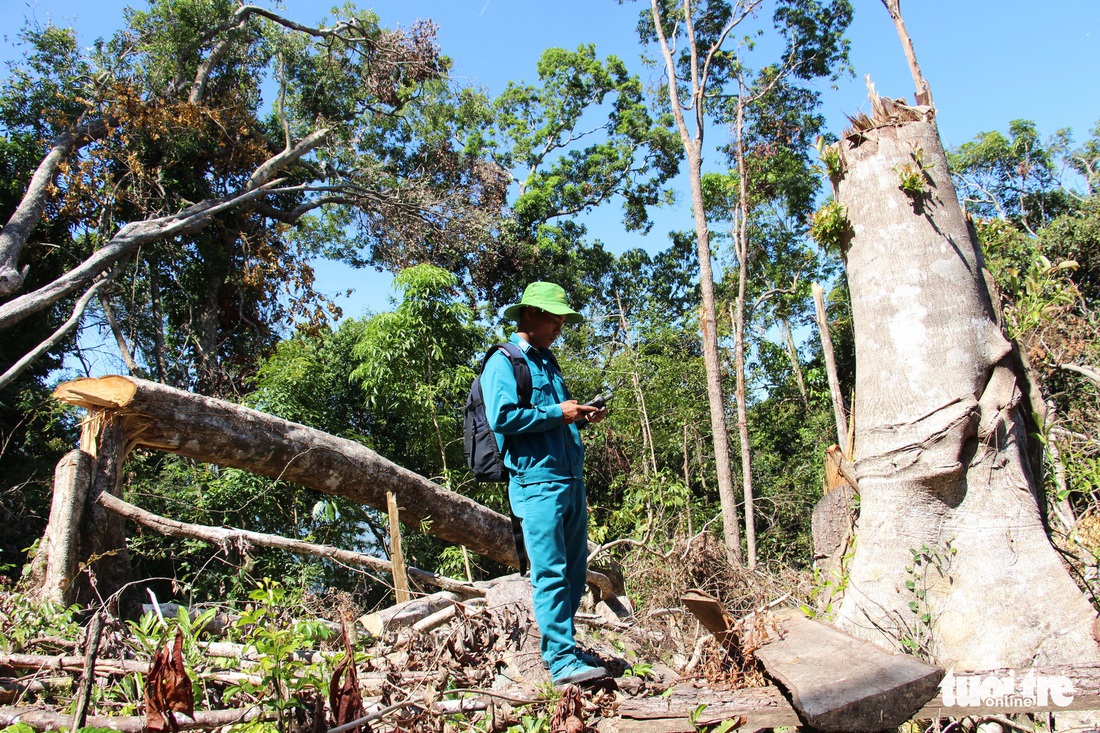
(124, 243)
(60, 334)
(225, 537)
(1087, 372)
(269, 167)
(202, 74)
(27, 214)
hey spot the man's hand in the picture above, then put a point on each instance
(598, 415)
(572, 411)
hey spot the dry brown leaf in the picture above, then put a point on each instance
(344, 698)
(168, 688)
(568, 715)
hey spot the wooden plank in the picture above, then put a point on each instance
(839, 683)
(713, 616)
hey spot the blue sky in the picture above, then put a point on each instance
(988, 62)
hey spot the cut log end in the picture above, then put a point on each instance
(111, 392)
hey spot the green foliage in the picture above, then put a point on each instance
(829, 155)
(1038, 294)
(22, 620)
(414, 366)
(913, 176)
(580, 138)
(284, 675)
(917, 637)
(1014, 177)
(830, 227)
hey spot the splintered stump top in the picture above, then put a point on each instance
(839, 683)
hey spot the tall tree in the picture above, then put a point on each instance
(699, 68)
(162, 163)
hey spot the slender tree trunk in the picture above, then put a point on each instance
(158, 325)
(647, 432)
(120, 337)
(737, 314)
(693, 150)
(947, 497)
(796, 366)
(723, 467)
(741, 242)
(830, 366)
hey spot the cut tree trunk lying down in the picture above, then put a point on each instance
(226, 537)
(839, 683)
(215, 431)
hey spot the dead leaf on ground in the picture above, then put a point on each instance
(344, 700)
(568, 715)
(168, 688)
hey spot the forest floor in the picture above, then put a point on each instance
(458, 664)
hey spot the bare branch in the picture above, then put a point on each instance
(125, 242)
(276, 163)
(120, 338)
(202, 75)
(66, 328)
(29, 211)
(924, 93)
(224, 537)
(1087, 372)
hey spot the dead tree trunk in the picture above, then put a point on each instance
(951, 555)
(215, 431)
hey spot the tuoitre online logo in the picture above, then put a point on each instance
(1028, 691)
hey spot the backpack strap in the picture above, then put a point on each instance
(520, 368)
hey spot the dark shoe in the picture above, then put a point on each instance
(578, 673)
(590, 659)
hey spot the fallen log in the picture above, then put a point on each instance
(204, 720)
(215, 431)
(71, 663)
(406, 613)
(842, 684)
(229, 537)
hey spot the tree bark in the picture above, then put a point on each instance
(397, 555)
(215, 431)
(830, 366)
(941, 448)
(55, 563)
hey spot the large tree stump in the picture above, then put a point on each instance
(952, 554)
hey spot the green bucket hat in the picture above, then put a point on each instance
(547, 296)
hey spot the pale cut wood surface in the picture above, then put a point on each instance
(839, 683)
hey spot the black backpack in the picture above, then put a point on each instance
(483, 456)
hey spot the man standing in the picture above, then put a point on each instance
(544, 455)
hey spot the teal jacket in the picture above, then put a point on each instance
(537, 444)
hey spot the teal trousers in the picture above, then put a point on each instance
(555, 529)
